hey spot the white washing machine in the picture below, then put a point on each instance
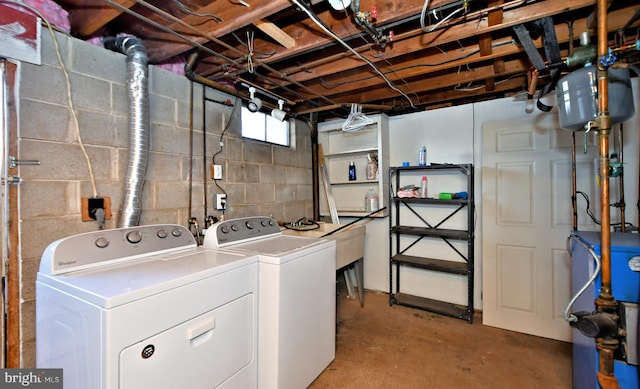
(143, 307)
(296, 298)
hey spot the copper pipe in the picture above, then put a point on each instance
(605, 303)
(604, 129)
(574, 180)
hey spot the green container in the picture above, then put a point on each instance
(445, 196)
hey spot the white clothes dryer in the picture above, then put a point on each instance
(144, 307)
(296, 298)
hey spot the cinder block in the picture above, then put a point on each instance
(295, 210)
(48, 53)
(260, 193)
(97, 128)
(60, 161)
(43, 232)
(90, 93)
(162, 110)
(304, 192)
(273, 174)
(284, 156)
(171, 195)
(44, 199)
(43, 83)
(296, 175)
(275, 210)
(97, 62)
(169, 139)
(161, 167)
(165, 83)
(257, 152)
(45, 121)
(285, 193)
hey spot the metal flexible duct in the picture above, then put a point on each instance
(138, 96)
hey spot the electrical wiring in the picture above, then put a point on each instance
(250, 53)
(469, 88)
(433, 64)
(72, 110)
(236, 63)
(423, 15)
(224, 130)
(328, 31)
(262, 53)
(190, 12)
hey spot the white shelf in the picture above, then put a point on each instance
(340, 148)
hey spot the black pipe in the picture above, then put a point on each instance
(354, 221)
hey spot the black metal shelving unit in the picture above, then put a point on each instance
(428, 229)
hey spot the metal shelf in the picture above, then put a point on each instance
(422, 210)
(437, 306)
(431, 232)
(440, 265)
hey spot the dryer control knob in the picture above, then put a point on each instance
(134, 236)
(101, 243)
(234, 227)
(162, 233)
(224, 229)
(250, 225)
(176, 232)
(272, 223)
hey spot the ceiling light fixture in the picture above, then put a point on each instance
(279, 114)
(254, 103)
(339, 5)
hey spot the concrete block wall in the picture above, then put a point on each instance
(259, 178)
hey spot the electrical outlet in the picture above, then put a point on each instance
(216, 172)
(89, 206)
(221, 201)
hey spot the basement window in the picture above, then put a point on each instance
(263, 127)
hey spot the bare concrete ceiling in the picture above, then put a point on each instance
(396, 56)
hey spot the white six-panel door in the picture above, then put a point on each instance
(527, 216)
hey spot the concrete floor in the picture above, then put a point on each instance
(382, 346)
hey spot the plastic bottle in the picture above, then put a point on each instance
(352, 171)
(371, 202)
(422, 156)
(371, 169)
(423, 187)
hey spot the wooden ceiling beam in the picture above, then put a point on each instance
(416, 43)
(617, 20)
(88, 16)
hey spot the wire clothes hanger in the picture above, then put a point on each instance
(356, 119)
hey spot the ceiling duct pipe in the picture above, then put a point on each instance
(138, 96)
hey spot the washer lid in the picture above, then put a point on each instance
(283, 247)
(122, 283)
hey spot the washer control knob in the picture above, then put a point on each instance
(134, 236)
(224, 229)
(264, 223)
(101, 243)
(271, 222)
(250, 225)
(176, 232)
(162, 233)
(234, 227)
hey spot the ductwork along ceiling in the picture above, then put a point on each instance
(396, 56)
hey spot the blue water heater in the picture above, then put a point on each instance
(625, 282)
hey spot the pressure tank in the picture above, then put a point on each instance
(577, 95)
